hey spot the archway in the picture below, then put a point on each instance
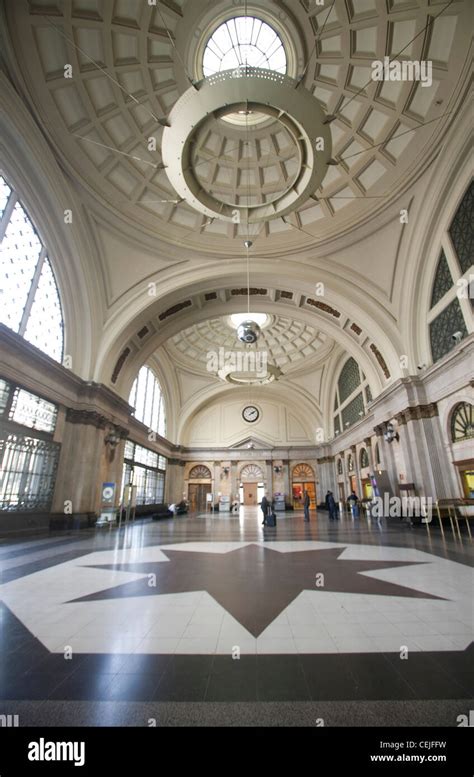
(302, 479)
(252, 487)
(199, 486)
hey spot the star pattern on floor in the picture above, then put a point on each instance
(254, 583)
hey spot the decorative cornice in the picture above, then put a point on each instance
(92, 418)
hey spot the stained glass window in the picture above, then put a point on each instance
(349, 379)
(30, 303)
(462, 230)
(462, 422)
(353, 411)
(442, 328)
(244, 41)
(147, 398)
(377, 454)
(443, 280)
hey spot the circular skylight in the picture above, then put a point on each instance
(238, 318)
(241, 41)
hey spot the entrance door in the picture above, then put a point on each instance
(298, 494)
(250, 493)
(197, 496)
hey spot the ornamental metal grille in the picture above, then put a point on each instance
(353, 411)
(442, 328)
(33, 411)
(339, 467)
(303, 472)
(364, 458)
(350, 463)
(462, 230)
(251, 472)
(462, 422)
(28, 471)
(200, 472)
(349, 379)
(443, 280)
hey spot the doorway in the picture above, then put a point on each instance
(250, 493)
(197, 496)
(298, 492)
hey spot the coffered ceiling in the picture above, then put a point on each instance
(131, 61)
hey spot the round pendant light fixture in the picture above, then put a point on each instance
(248, 89)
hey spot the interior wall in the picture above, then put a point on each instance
(221, 424)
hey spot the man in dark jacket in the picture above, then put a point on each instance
(331, 505)
(306, 504)
(264, 504)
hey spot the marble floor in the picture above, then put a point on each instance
(211, 620)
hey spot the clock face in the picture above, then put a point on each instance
(250, 414)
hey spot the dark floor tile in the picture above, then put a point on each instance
(426, 677)
(376, 678)
(281, 678)
(328, 677)
(152, 664)
(93, 687)
(183, 689)
(132, 687)
(30, 686)
(228, 687)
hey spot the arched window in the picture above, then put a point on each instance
(364, 458)
(455, 261)
(350, 463)
(200, 472)
(30, 303)
(339, 466)
(377, 454)
(462, 422)
(350, 402)
(147, 398)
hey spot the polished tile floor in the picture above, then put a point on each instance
(284, 626)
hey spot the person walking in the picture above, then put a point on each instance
(264, 505)
(331, 505)
(355, 504)
(306, 504)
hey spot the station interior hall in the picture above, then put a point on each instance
(236, 362)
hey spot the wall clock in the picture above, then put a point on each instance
(250, 414)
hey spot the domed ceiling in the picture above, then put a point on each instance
(287, 343)
(131, 61)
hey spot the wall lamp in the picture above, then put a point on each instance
(390, 434)
(112, 439)
(277, 469)
(225, 472)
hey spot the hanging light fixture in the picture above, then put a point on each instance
(248, 331)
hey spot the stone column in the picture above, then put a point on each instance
(327, 478)
(87, 461)
(234, 485)
(428, 457)
(269, 477)
(174, 482)
(286, 482)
